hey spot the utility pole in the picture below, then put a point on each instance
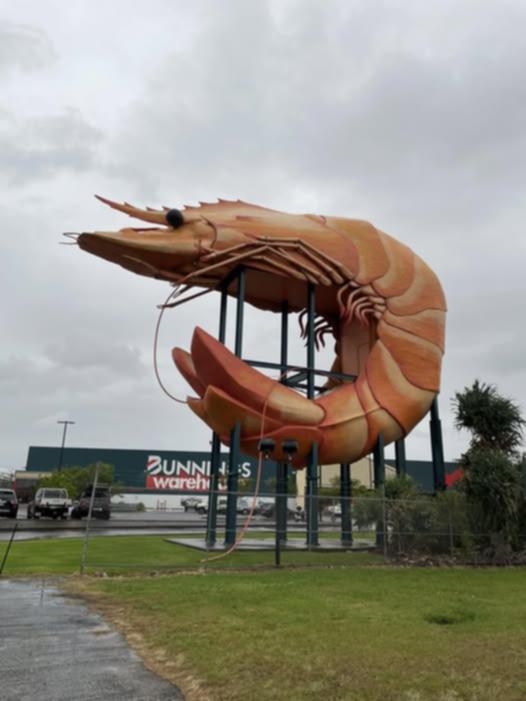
(63, 441)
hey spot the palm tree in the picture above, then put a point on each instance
(494, 421)
(492, 466)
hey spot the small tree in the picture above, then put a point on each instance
(492, 484)
(76, 479)
(492, 469)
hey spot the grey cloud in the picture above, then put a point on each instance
(332, 99)
(39, 147)
(408, 114)
(24, 48)
(83, 353)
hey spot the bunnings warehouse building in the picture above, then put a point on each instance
(150, 475)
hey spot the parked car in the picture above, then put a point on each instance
(101, 503)
(8, 503)
(191, 503)
(268, 510)
(49, 501)
(243, 505)
(334, 510)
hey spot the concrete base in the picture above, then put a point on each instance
(248, 544)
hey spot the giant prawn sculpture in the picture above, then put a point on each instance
(382, 303)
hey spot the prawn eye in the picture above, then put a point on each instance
(175, 218)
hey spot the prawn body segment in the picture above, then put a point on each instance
(382, 303)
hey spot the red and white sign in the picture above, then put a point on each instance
(188, 476)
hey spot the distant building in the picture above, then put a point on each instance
(175, 472)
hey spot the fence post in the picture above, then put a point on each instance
(451, 533)
(88, 521)
(384, 525)
(8, 548)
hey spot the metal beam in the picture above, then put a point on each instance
(215, 458)
(302, 369)
(437, 448)
(311, 501)
(312, 465)
(235, 435)
(379, 485)
(281, 501)
(401, 467)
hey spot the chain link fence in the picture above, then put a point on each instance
(312, 531)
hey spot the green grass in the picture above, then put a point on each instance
(362, 634)
(125, 554)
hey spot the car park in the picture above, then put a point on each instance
(49, 501)
(101, 503)
(8, 503)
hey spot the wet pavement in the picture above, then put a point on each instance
(121, 523)
(53, 648)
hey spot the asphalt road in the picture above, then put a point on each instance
(130, 523)
(54, 649)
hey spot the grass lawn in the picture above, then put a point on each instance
(125, 554)
(364, 633)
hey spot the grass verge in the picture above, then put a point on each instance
(359, 634)
(126, 554)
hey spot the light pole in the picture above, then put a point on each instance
(63, 441)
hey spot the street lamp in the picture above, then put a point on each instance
(63, 441)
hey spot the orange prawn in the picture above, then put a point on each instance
(384, 306)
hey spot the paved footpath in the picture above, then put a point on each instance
(53, 648)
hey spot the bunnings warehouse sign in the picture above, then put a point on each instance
(189, 475)
(159, 470)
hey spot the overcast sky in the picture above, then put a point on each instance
(409, 114)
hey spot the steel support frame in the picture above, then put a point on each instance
(312, 478)
(437, 448)
(282, 468)
(235, 435)
(401, 467)
(215, 458)
(311, 496)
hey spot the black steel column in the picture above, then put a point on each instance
(379, 484)
(282, 467)
(281, 501)
(215, 458)
(311, 501)
(345, 495)
(379, 462)
(437, 448)
(284, 353)
(311, 319)
(401, 470)
(235, 435)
